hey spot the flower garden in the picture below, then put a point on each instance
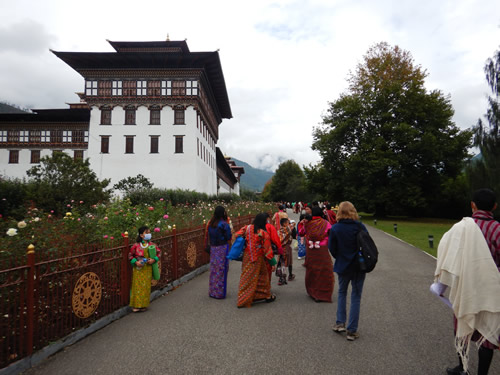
(104, 224)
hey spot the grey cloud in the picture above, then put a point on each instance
(26, 37)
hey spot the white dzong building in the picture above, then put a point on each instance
(150, 108)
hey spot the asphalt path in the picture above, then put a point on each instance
(403, 328)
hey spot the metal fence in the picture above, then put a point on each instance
(47, 299)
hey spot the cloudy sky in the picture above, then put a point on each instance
(283, 60)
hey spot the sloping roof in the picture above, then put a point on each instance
(161, 46)
(48, 115)
(209, 62)
(223, 166)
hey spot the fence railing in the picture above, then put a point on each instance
(46, 300)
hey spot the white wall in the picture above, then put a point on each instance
(166, 169)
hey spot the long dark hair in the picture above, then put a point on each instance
(219, 214)
(260, 222)
(141, 230)
(316, 211)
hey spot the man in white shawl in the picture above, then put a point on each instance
(466, 264)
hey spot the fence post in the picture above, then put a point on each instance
(175, 254)
(125, 272)
(205, 237)
(30, 296)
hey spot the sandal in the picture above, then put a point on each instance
(271, 299)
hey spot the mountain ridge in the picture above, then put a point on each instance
(253, 179)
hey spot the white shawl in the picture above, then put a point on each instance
(465, 265)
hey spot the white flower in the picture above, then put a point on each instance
(36, 219)
(169, 227)
(12, 232)
(21, 224)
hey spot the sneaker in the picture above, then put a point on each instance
(339, 327)
(291, 277)
(351, 336)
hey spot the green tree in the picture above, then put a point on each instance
(59, 180)
(266, 191)
(288, 183)
(130, 184)
(484, 171)
(387, 144)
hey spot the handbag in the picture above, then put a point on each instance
(238, 248)
(156, 269)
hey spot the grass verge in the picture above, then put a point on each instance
(414, 231)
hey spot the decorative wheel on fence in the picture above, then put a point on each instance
(191, 254)
(86, 295)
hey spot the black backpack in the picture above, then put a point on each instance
(367, 255)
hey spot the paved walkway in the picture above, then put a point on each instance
(404, 329)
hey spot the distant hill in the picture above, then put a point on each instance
(7, 108)
(253, 179)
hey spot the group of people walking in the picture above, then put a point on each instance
(463, 264)
(268, 250)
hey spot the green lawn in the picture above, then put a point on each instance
(414, 231)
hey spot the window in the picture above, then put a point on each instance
(67, 134)
(117, 88)
(13, 136)
(154, 116)
(166, 88)
(35, 156)
(154, 88)
(35, 136)
(191, 87)
(104, 144)
(178, 144)
(56, 136)
(91, 88)
(104, 88)
(179, 116)
(3, 135)
(23, 136)
(129, 144)
(198, 146)
(105, 116)
(13, 156)
(78, 154)
(129, 88)
(179, 88)
(141, 87)
(45, 136)
(154, 144)
(130, 116)
(78, 136)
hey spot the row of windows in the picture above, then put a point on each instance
(204, 131)
(204, 154)
(141, 88)
(44, 136)
(154, 116)
(35, 156)
(154, 144)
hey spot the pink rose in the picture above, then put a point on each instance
(105, 236)
(157, 229)
(151, 208)
(165, 217)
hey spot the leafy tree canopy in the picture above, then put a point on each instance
(288, 183)
(130, 184)
(485, 171)
(387, 144)
(59, 179)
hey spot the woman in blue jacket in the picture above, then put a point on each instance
(342, 246)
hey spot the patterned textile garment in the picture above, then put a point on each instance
(277, 219)
(141, 276)
(219, 238)
(254, 281)
(219, 266)
(319, 266)
(286, 240)
(491, 232)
